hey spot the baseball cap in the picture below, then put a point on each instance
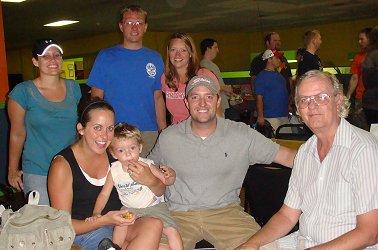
(270, 53)
(202, 80)
(42, 45)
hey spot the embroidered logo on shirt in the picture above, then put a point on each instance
(151, 70)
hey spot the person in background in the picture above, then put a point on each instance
(128, 77)
(78, 173)
(310, 61)
(272, 101)
(209, 50)
(137, 199)
(272, 41)
(298, 57)
(333, 186)
(42, 114)
(370, 79)
(181, 65)
(355, 83)
(211, 156)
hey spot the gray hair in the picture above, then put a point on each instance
(337, 88)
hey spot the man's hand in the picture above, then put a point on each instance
(169, 175)
(260, 121)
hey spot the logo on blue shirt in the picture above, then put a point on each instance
(151, 70)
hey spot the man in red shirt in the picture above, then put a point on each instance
(355, 83)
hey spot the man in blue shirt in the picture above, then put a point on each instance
(272, 100)
(128, 77)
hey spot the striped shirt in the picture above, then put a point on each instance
(332, 193)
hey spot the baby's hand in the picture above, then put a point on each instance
(93, 218)
(129, 216)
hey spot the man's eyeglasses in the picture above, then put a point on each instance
(131, 23)
(320, 100)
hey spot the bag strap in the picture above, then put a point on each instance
(33, 198)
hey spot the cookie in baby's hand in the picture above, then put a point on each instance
(128, 216)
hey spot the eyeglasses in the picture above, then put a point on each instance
(131, 23)
(320, 100)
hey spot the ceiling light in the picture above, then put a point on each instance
(13, 1)
(60, 23)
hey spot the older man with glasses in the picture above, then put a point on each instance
(333, 187)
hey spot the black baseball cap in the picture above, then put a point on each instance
(42, 45)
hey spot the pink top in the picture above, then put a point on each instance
(175, 99)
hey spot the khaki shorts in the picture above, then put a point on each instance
(225, 228)
(159, 211)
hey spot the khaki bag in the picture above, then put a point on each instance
(36, 227)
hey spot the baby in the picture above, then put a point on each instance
(136, 198)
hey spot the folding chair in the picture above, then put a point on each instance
(299, 132)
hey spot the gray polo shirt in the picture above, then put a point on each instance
(210, 172)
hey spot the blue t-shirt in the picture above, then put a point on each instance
(129, 79)
(50, 126)
(272, 86)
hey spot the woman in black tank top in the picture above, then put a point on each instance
(77, 175)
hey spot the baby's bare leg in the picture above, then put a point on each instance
(119, 235)
(174, 238)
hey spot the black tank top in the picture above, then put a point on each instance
(84, 193)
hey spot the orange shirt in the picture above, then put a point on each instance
(357, 69)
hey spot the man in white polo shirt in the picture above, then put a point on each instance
(333, 186)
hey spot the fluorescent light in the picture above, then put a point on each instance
(13, 1)
(60, 23)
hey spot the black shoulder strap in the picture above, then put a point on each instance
(67, 153)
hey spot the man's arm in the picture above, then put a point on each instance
(278, 226)
(365, 234)
(253, 78)
(260, 109)
(352, 85)
(97, 92)
(285, 156)
(160, 110)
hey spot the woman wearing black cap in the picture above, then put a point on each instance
(43, 115)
